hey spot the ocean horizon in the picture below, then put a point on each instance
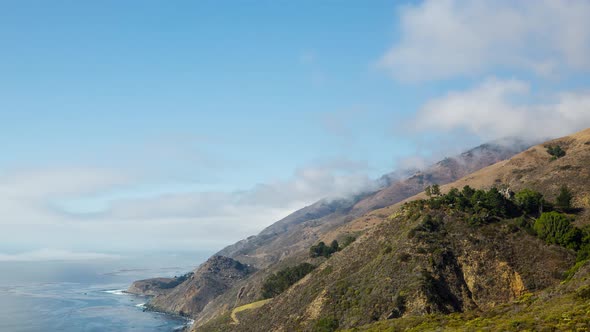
(86, 295)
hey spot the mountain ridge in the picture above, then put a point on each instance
(404, 269)
(287, 241)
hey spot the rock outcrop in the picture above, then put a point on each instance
(212, 278)
(153, 287)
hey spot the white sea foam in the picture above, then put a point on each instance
(116, 291)
(140, 305)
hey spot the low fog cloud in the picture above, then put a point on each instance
(54, 255)
(177, 220)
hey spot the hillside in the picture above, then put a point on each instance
(424, 261)
(302, 228)
(189, 296)
(287, 241)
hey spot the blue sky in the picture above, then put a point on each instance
(211, 119)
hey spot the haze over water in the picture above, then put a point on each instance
(85, 296)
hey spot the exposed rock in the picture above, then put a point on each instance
(208, 281)
(152, 287)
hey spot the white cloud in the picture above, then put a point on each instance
(57, 182)
(54, 255)
(446, 38)
(335, 178)
(176, 220)
(495, 109)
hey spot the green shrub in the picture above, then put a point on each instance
(278, 282)
(321, 249)
(326, 325)
(556, 228)
(556, 151)
(529, 201)
(584, 252)
(583, 293)
(347, 240)
(564, 199)
(484, 206)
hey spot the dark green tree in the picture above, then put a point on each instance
(321, 249)
(334, 246)
(556, 151)
(564, 199)
(326, 324)
(278, 282)
(468, 192)
(556, 228)
(435, 190)
(428, 191)
(529, 201)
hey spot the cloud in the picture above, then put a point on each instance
(57, 182)
(332, 179)
(177, 220)
(54, 255)
(497, 108)
(446, 38)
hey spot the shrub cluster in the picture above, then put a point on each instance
(278, 282)
(556, 151)
(481, 205)
(321, 249)
(557, 228)
(326, 324)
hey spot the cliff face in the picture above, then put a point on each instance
(212, 278)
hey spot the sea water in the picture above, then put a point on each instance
(84, 296)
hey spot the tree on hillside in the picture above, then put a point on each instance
(278, 282)
(334, 246)
(564, 199)
(556, 151)
(321, 249)
(435, 190)
(529, 201)
(556, 228)
(468, 192)
(428, 191)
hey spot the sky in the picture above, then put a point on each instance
(132, 126)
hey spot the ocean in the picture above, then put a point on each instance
(85, 296)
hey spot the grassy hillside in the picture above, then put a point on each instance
(563, 308)
(424, 261)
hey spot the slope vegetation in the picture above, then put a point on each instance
(422, 262)
(206, 296)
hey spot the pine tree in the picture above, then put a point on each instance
(564, 199)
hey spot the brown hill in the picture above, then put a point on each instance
(401, 268)
(288, 240)
(299, 230)
(189, 297)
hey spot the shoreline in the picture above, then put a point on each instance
(146, 307)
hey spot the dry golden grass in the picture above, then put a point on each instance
(249, 306)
